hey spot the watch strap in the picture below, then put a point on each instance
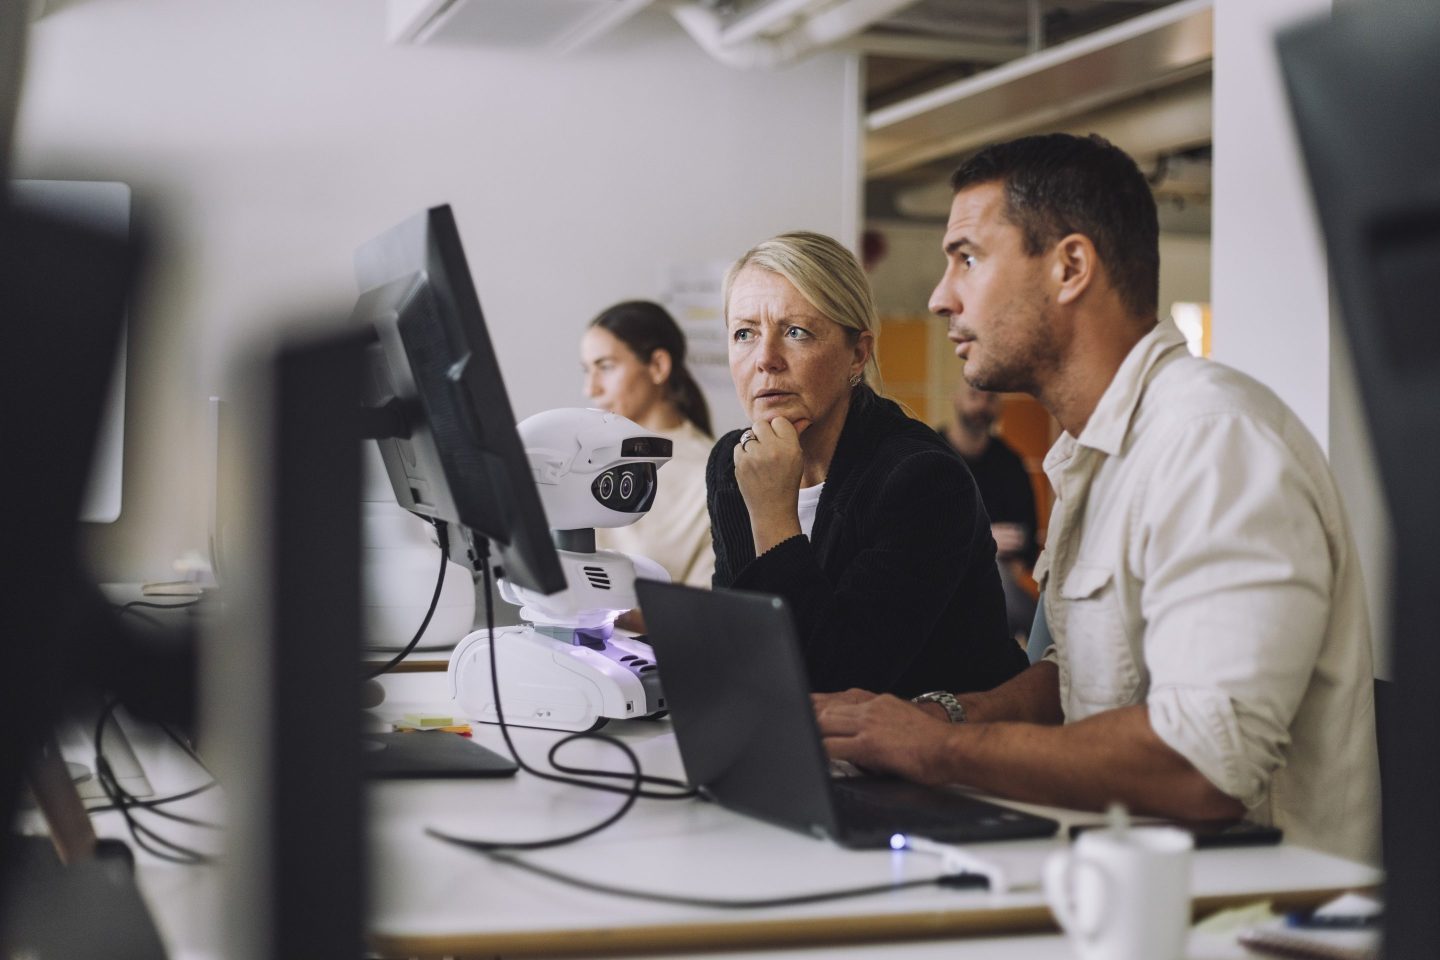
(954, 709)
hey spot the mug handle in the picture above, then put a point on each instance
(1060, 873)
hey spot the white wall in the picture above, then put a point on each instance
(267, 140)
(1184, 270)
(1271, 304)
(907, 274)
(1273, 314)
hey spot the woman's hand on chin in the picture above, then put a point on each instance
(768, 468)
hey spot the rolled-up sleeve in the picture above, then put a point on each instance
(1238, 572)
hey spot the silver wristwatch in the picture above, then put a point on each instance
(954, 709)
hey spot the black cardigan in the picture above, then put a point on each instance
(897, 589)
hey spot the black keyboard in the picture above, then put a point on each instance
(871, 811)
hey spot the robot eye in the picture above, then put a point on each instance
(607, 486)
(627, 486)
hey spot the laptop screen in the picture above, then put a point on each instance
(740, 701)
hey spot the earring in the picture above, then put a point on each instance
(856, 379)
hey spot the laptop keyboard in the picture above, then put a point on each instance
(871, 811)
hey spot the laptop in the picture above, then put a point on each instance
(739, 698)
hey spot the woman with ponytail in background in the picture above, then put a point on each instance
(633, 359)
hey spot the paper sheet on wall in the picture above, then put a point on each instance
(693, 297)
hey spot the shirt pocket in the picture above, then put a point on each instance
(1101, 666)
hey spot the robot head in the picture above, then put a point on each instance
(593, 469)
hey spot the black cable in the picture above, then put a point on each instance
(136, 614)
(150, 802)
(685, 791)
(138, 831)
(153, 802)
(637, 776)
(442, 533)
(955, 880)
(126, 607)
(177, 853)
(150, 807)
(130, 608)
(123, 801)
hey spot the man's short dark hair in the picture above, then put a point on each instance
(1058, 184)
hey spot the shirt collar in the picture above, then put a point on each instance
(1110, 422)
(1108, 425)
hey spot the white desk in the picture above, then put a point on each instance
(432, 899)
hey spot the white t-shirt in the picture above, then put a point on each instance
(809, 501)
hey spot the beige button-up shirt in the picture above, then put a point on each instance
(1198, 561)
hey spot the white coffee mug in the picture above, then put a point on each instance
(1123, 895)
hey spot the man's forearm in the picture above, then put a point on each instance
(1114, 756)
(1031, 697)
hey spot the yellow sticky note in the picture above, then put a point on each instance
(424, 720)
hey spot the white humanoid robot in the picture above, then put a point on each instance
(564, 668)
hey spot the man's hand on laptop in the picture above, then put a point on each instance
(882, 733)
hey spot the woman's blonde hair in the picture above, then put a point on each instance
(826, 274)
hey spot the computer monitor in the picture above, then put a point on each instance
(1362, 89)
(282, 706)
(453, 453)
(104, 207)
(62, 292)
(12, 67)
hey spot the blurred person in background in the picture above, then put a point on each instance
(1005, 490)
(633, 359)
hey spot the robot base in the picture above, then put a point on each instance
(554, 685)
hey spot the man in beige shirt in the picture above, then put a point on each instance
(1211, 653)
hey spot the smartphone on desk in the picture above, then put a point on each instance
(1209, 834)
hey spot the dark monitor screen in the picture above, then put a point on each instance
(104, 207)
(63, 287)
(462, 461)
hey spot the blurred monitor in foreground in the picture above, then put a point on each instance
(62, 290)
(282, 707)
(1363, 88)
(105, 208)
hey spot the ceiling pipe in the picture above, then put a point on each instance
(771, 17)
(813, 32)
(593, 28)
(1155, 50)
(918, 47)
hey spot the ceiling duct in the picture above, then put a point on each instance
(1046, 90)
(559, 25)
(780, 31)
(763, 34)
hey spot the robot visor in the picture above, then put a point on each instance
(648, 447)
(628, 488)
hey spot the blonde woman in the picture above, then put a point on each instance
(862, 518)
